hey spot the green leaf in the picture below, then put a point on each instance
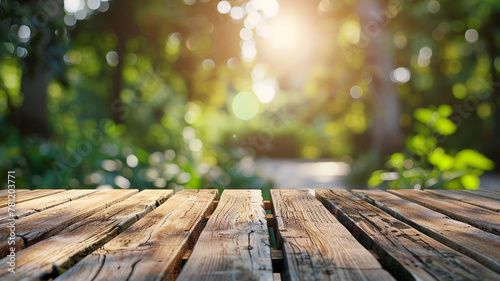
(397, 160)
(471, 158)
(445, 110)
(375, 179)
(444, 126)
(441, 160)
(470, 181)
(423, 115)
(421, 144)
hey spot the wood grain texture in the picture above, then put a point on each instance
(480, 245)
(477, 200)
(5, 192)
(493, 194)
(37, 205)
(45, 260)
(152, 248)
(24, 196)
(315, 245)
(407, 253)
(39, 226)
(484, 219)
(235, 242)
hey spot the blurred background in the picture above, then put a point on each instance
(249, 93)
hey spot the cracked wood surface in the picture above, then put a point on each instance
(480, 245)
(39, 226)
(23, 196)
(152, 248)
(484, 219)
(235, 242)
(37, 205)
(315, 245)
(45, 259)
(407, 253)
(471, 198)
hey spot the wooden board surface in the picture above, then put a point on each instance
(493, 194)
(474, 199)
(315, 245)
(153, 246)
(479, 217)
(235, 242)
(36, 227)
(404, 251)
(24, 196)
(47, 258)
(480, 245)
(5, 192)
(43, 203)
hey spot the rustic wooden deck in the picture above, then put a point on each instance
(194, 235)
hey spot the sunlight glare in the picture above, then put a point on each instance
(287, 34)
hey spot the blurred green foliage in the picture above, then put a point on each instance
(143, 93)
(428, 165)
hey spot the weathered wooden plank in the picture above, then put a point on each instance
(46, 259)
(407, 253)
(315, 245)
(493, 194)
(479, 217)
(477, 200)
(5, 192)
(30, 195)
(480, 245)
(43, 203)
(153, 247)
(235, 242)
(36, 227)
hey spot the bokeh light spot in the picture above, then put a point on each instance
(224, 7)
(433, 6)
(471, 35)
(270, 8)
(73, 6)
(93, 4)
(132, 161)
(265, 90)
(237, 13)
(401, 75)
(24, 33)
(246, 34)
(400, 40)
(245, 105)
(112, 58)
(356, 92)
(459, 90)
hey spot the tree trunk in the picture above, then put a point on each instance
(386, 134)
(31, 117)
